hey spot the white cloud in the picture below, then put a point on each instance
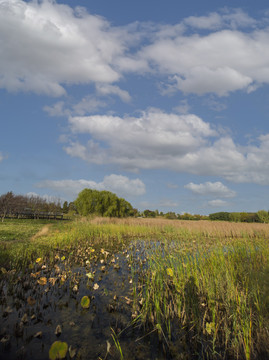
(217, 203)
(153, 140)
(107, 89)
(121, 185)
(46, 45)
(46, 197)
(212, 189)
(221, 60)
(157, 140)
(226, 19)
(57, 109)
(1, 157)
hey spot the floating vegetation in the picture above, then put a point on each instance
(58, 350)
(85, 302)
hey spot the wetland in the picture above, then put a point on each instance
(103, 288)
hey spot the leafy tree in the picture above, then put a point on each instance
(223, 216)
(149, 213)
(263, 216)
(102, 203)
(65, 207)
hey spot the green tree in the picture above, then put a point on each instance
(263, 216)
(102, 203)
(65, 207)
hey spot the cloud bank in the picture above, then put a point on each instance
(212, 189)
(47, 46)
(158, 140)
(121, 185)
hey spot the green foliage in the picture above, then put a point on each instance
(263, 216)
(149, 214)
(102, 203)
(260, 216)
(223, 216)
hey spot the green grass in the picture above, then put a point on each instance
(214, 299)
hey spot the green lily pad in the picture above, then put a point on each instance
(85, 302)
(58, 350)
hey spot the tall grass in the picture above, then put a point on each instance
(216, 298)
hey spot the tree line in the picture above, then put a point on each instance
(261, 216)
(108, 204)
(12, 205)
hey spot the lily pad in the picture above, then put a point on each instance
(90, 275)
(85, 302)
(58, 350)
(42, 281)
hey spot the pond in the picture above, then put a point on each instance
(43, 304)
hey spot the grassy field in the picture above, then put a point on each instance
(201, 288)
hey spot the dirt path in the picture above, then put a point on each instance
(43, 231)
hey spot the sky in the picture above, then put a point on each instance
(165, 103)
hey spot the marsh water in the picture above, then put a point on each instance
(42, 304)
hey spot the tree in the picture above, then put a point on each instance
(65, 207)
(6, 203)
(149, 213)
(102, 203)
(263, 216)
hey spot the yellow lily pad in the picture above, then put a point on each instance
(42, 281)
(85, 302)
(58, 350)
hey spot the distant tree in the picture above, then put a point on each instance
(102, 203)
(65, 207)
(170, 215)
(263, 216)
(235, 217)
(149, 213)
(6, 204)
(223, 216)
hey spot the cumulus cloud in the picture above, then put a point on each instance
(107, 89)
(46, 45)
(119, 184)
(235, 18)
(152, 140)
(46, 197)
(157, 140)
(212, 189)
(222, 60)
(217, 203)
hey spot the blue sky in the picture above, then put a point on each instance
(165, 103)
